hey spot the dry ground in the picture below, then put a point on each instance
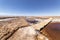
(18, 28)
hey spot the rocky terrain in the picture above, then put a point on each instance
(29, 28)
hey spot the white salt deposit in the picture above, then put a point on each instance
(6, 19)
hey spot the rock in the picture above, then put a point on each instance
(26, 33)
(11, 27)
(42, 37)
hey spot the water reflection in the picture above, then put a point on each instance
(52, 31)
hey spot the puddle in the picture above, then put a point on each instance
(52, 31)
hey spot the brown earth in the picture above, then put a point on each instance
(18, 29)
(9, 27)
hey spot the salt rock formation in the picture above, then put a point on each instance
(42, 37)
(8, 28)
(26, 33)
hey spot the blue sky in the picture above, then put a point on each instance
(30, 7)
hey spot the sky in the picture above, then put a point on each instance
(30, 7)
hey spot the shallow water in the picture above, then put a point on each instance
(52, 31)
